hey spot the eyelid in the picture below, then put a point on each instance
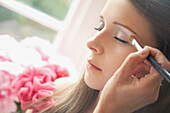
(121, 36)
(127, 31)
(124, 31)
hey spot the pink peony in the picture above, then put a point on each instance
(35, 83)
(7, 95)
(37, 66)
(59, 70)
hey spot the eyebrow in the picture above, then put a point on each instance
(127, 27)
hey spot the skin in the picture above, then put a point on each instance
(126, 93)
(116, 62)
(108, 53)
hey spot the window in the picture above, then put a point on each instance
(55, 8)
(36, 19)
(68, 32)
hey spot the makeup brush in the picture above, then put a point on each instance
(157, 66)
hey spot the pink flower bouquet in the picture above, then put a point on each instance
(27, 73)
(7, 95)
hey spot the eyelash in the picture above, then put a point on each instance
(122, 41)
(98, 29)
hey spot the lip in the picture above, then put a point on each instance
(92, 66)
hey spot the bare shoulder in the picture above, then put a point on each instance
(64, 82)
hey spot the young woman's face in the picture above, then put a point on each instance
(107, 51)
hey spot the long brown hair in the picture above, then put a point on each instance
(157, 12)
(78, 100)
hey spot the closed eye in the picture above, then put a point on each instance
(101, 25)
(98, 29)
(122, 41)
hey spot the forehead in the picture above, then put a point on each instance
(122, 11)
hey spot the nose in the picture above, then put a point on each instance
(95, 45)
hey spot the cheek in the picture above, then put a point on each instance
(111, 60)
(115, 59)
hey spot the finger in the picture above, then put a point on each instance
(159, 57)
(152, 79)
(147, 62)
(132, 61)
(141, 70)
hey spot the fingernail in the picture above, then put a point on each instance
(143, 52)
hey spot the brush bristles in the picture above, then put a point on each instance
(134, 43)
(130, 40)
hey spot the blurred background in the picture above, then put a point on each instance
(67, 24)
(21, 27)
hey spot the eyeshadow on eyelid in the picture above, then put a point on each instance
(125, 26)
(123, 35)
(127, 31)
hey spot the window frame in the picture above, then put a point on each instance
(74, 26)
(38, 16)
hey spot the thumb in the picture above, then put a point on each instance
(132, 61)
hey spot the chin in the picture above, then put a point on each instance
(92, 83)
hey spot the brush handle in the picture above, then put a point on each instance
(159, 68)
